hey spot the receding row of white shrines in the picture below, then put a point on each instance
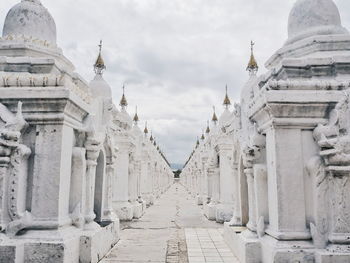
(71, 163)
(276, 169)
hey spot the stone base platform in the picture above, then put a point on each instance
(246, 248)
(210, 211)
(325, 256)
(199, 200)
(61, 246)
(224, 213)
(95, 244)
(11, 251)
(137, 210)
(124, 210)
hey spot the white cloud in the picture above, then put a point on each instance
(175, 56)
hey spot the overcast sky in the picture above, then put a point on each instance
(175, 56)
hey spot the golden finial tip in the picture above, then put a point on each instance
(252, 64)
(227, 101)
(123, 101)
(99, 65)
(214, 118)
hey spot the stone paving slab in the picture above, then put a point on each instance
(207, 245)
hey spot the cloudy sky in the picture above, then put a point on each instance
(175, 56)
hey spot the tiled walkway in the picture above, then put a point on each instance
(207, 245)
(159, 236)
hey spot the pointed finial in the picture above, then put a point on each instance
(252, 65)
(151, 138)
(208, 128)
(146, 129)
(215, 118)
(136, 117)
(202, 137)
(197, 143)
(123, 101)
(227, 101)
(99, 66)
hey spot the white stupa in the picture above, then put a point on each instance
(313, 17)
(30, 19)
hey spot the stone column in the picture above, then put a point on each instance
(205, 181)
(340, 205)
(286, 178)
(121, 202)
(251, 198)
(224, 211)
(52, 174)
(108, 214)
(93, 147)
(144, 182)
(237, 215)
(261, 196)
(4, 164)
(215, 194)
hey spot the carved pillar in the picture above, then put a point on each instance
(121, 202)
(286, 178)
(251, 198)
(108, 214)
(4, 165)
(237, 216)
(261, 196)
(205, 180)
(340, 206)
(52, 174)
(93, 147)
(216, 186)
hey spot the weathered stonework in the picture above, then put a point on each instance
(66, 151)
(290, 147)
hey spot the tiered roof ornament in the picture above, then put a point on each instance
(123, 101)
(99, 65)
(214, 118)
(252, 65)
(208, 128)
(202, 137)
(146, 129)
(136, 117)
(227, 101)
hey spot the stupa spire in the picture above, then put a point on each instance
(146, 129)
(214, 118)
(136, 117)
(252, 64)
(99, 66)
(123, 101)
(202, 137)
(227, 101)
(207, 131)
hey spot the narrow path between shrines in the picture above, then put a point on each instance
(159, 236)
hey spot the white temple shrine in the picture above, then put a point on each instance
(72, 163)
(273, 168)
(276, 167)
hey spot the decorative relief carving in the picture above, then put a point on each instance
(332, 177)
(16, 155)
